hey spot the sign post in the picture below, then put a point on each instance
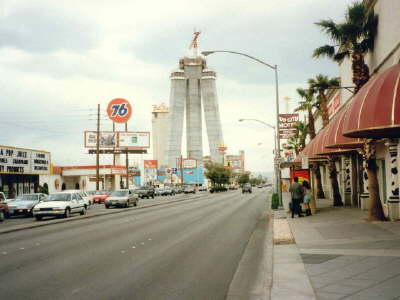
(119, 110)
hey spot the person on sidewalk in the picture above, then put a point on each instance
(307, 197)
(296, 190)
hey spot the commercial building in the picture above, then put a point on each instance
(20, 169)
(112, 177)
(236, 162)
(160, 121)
(364, 128)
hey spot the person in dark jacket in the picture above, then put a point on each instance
(297, 192)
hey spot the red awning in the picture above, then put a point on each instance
(334, 134)
(375, 110)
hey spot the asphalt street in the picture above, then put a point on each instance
(183, 250)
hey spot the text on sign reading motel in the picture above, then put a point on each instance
(24, 161)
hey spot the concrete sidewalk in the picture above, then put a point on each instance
(337, 255)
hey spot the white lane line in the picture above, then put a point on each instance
(133, 247)
(123, 251)
(4, 253)
(142, 243)
(22, 248)
(37, 244)
(149, 239)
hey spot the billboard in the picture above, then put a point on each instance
(286, 125)
(15, 160)
(108, 139)
(189, 163)
(150, 164)
(118, 139)
(133, 139)
(301, 174)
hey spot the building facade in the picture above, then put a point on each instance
(160, 123)
(372, 115)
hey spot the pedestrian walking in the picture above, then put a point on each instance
(307, 197)
(296, 190)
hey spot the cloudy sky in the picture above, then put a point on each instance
(59, 59)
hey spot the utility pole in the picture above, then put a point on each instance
(114, 147)
(98, 148)
(181, 166)
(127, 161)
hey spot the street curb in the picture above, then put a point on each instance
(77, 218)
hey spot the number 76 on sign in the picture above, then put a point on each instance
(119, 110)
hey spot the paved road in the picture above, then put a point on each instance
(97, 209)
(184, 250)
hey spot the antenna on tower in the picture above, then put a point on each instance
(193, 44)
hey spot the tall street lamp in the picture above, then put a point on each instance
(275, 150)
(275, 68)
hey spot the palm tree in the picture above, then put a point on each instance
(297, 141)
(355, 37)
(307, 105)
(369, 155)
(321, 84)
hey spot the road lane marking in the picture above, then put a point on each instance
(22, 248)
(4, 253)
(123, 251)
(133, 247)
(149, 239)
(142, 243)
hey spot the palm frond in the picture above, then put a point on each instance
(356, 13)
(330, 28)
(326, 50)
(341, 55)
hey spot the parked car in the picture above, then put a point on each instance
(100, 196)
(158, 191)
(177, 189)
(61, 204)
(146, 192)
(84, 196)
(247, 188)
(3, 210)
(233, 187)
(91, 194)
(203, 188)
(167, 191)
(190, 189)
(124, 198)
(24, 204)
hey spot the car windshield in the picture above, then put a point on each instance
(27, 198)
(119, 194)
(59, 197)
(101, 192)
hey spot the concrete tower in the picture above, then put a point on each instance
(160, 119)
(193, 90)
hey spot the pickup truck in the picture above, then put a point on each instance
(145, 192)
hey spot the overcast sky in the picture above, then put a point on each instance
(59, 59)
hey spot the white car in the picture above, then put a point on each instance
(61, 204)
(86, 198)
(122, 198)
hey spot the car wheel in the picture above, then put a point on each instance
(2, 217)
(85, 206)
(83, 212)
(107, 206)
(135, 203)
(38, 218)
(152, 196)
(67, 213)
(126, 204)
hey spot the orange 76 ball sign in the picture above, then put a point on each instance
(119, 110)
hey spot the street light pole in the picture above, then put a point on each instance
(275, 68)
(276, 171)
